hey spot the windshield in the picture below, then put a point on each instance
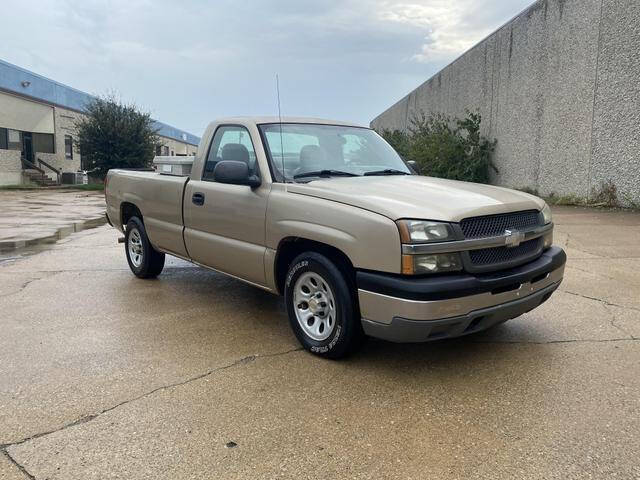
(301, 150)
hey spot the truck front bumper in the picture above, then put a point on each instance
(404, 309)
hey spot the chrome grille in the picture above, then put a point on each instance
(494, 225)
(495, 258)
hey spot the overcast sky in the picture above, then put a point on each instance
(190, 61)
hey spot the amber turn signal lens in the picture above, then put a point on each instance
(407, 264)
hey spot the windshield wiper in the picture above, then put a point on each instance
(325, 173)
(386, 171)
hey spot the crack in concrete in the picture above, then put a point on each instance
(96, 270)
(23, 286)
(50, 273)
(88, 418)
(597, 274)
(605, 304)
(573, 267)
(18, 465)
(613, 321)
(570, 241)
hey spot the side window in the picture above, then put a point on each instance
(230, 142)
(3, 139)
(68, 146)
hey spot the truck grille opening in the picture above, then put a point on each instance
(495, 258)
(498, 255)
(494, 225)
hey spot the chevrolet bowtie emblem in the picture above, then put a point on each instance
(513, 238)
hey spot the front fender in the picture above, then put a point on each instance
(371, 241)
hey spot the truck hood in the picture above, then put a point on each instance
(412, 196)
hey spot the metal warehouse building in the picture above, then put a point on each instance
(37, 132)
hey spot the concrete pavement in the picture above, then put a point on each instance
(36, 217)
(195, 375)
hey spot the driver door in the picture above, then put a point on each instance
(225, 223)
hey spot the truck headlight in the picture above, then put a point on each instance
(431, 263)
(422, 231)
(546, 214)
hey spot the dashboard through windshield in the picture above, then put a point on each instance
(302, 152)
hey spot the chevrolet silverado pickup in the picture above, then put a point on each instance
(328, 215)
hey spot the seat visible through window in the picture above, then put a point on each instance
(230, 142)
(236, 152)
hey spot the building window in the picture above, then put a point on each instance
(158, 150)
(165, 151)
(172, 153)
(43, 143)
(14, 140)
(3, 139)
(68, 146)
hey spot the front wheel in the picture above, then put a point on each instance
(144, 260)
(322, 307)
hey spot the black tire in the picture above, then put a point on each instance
(346, 334)
(150, 262)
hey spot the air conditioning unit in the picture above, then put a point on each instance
(68, 178)
(82, 178)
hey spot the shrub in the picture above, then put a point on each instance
(605, 195)
(115, 135)
(399, 140)
(445, 147)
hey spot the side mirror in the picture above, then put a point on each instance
(237, 173)
(413, 165)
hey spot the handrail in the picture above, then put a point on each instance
(27, 164)
(55, 170)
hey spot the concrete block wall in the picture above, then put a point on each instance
(558, 88)
(10, 167)
(65, 125)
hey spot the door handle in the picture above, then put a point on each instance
(198, 198)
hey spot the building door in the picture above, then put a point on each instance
(27, 146)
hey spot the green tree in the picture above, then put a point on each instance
(399, 140)
(113, 134)
(445, 147)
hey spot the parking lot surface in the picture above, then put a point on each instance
(34, 218)
(196, 375)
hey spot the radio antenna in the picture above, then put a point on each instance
(284, 177)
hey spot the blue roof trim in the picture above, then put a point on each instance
(49, 91)
(175, 133)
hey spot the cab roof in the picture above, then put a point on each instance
(258, 120)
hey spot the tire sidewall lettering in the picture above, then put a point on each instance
(294, 270)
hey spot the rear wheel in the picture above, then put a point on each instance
(144, 261)
(321, 306)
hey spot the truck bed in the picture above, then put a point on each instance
(159, 197)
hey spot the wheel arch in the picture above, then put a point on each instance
(128, 210)
(290, 247)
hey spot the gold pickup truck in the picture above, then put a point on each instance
(327, 214)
